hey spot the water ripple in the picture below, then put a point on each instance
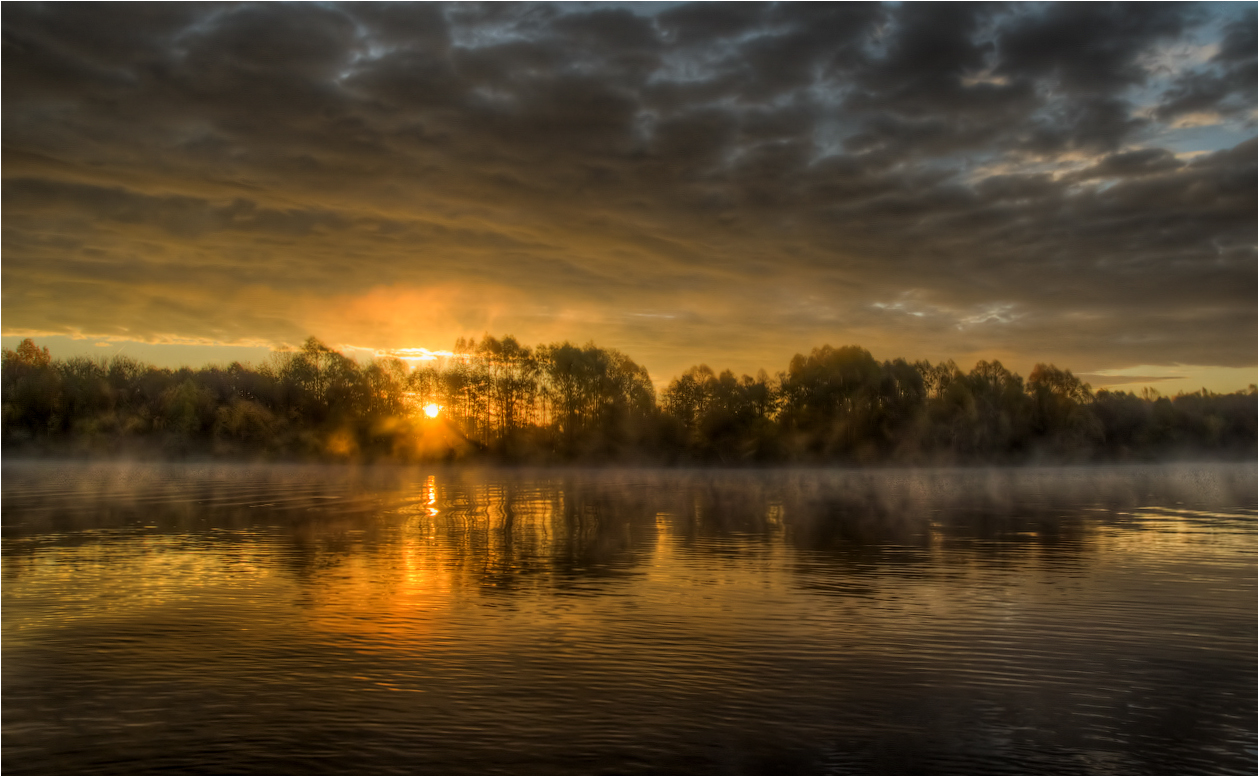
(211, 618)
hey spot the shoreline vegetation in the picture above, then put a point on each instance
(496, 401)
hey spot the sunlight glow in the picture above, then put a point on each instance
(432, 410)
(414, 356)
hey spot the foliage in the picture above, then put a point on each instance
(501, 400)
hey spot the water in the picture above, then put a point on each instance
(286, 619)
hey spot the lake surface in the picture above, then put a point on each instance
(290, 619)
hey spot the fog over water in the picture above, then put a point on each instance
(296, 619)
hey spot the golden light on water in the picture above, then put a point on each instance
(432, 410)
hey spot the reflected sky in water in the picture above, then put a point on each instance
(213, 618)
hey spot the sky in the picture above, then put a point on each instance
(687, 183)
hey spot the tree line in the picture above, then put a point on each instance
(496, 399)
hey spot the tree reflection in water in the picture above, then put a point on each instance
(879, 620)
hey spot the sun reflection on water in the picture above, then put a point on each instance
(796, 596)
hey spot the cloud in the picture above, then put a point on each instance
(1225, 85)
(1119, 380)
(1130, 164)
(1086, 48)
(397, 175)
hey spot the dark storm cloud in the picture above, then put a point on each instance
(1090, 48)
(929, 50)
(1228, 85)
(704, 181)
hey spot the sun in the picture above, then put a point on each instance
(432, 410)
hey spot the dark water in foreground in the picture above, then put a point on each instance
(281, 619)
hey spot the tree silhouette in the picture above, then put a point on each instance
(562, 402)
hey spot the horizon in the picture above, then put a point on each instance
(253, 357)
(689, 184)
